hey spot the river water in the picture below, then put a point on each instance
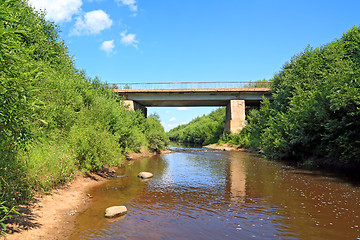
(221, 195)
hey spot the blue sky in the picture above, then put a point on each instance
(193, 40)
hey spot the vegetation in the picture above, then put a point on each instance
(55, 120)
(202, 130)
(6, 213)
(315, 109)
(155, 134)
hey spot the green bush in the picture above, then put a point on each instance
(315, 107)
(155, 134)
(94, 147)
(54, 119)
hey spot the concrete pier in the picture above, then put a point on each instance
(133, 106)
(235, 116)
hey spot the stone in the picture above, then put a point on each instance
(115, 211)
(145, 175)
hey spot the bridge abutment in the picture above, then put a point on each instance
(235, 116)
(133, 106)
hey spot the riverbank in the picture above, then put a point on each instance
(52, 216)
(143, 153)
(228, 147)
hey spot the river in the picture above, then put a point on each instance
(221, 195)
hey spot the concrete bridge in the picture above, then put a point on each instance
(173, 95)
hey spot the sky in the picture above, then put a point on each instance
(193, 40)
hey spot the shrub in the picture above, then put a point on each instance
(155, 134)
(315, 107)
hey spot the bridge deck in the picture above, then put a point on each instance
(193, 97)
(198, 90)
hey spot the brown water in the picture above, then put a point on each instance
(222, 195)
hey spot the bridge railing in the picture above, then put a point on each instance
(191, 85)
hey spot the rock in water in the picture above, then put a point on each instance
(115, 211)
(145, 175)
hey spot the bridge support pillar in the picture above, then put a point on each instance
(133, 106)
(235, 116)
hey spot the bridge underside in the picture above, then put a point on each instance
(191, 103)
(235, 101)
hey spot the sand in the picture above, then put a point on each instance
(52, 216)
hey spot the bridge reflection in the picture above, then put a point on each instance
(236, 182)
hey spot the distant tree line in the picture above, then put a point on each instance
(54, 119)
(202, 130)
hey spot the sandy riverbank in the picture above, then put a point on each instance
(52, 216)
(227, 147)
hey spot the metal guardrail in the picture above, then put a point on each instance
(191, 85)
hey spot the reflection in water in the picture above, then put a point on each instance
(221, 195)
(237, 178)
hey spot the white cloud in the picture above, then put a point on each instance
(58, 10)
(170, 126)
(182, 108)
(172, 119)
(108, 46)
(130, 3)
(93, 23)
(129, 39)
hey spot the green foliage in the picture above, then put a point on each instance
(48, 164)
(54, 120)
(5, 213)
(14, 184)
(316, 106)
(155, 134)
(94, 146)
(202, 130)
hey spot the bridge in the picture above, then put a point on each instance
(234, 95)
